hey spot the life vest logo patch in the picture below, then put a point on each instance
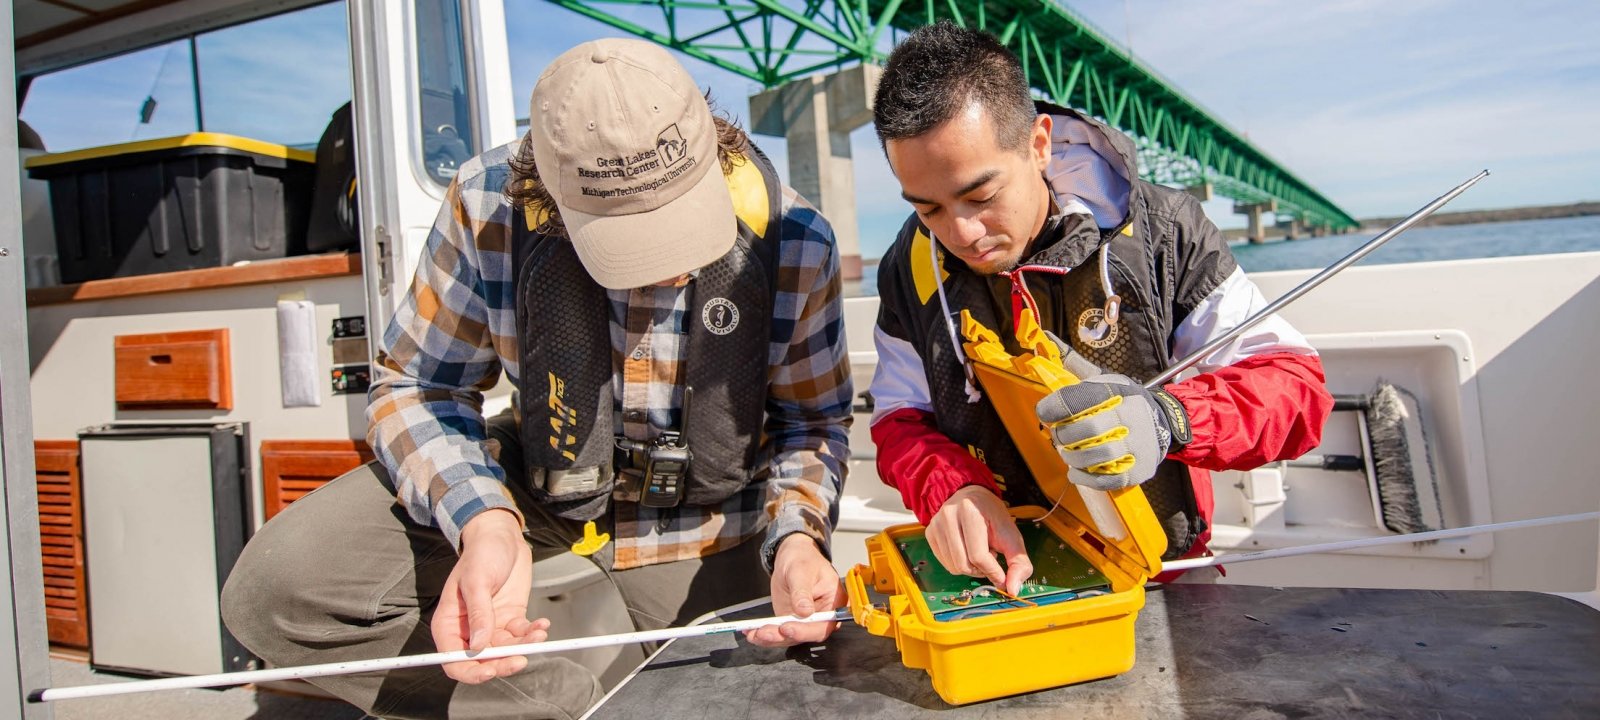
(720, 316)
(1093, 319)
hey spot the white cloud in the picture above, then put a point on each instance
(1377, 103)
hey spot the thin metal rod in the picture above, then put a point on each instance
(1315, 280)
(409, 661)
(1374, 542)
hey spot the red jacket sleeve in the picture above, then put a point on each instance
(1261, 409)
(925, 465)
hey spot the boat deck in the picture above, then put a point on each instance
(236, 703)
(1203, 651)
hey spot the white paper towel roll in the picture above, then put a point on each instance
(297, 353)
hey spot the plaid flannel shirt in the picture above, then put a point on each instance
(456, 330)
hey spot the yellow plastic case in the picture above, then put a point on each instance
(1033, 648)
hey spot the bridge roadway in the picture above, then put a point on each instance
(784, 43)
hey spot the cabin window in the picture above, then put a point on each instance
(277, 79)
(139, 95)
(448, 130)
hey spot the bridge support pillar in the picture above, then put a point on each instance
(1257, 233)
(1292, 228)
(815, 115)
(1201, 192)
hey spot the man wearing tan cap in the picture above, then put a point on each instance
(670, 316)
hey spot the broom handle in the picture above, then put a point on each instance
(410, 661)
(1343, 545)
(1315, 280)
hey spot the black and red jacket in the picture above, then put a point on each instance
(1258, 400)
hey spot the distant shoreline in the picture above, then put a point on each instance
(1462, 217)
(1469, 217)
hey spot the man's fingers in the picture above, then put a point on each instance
(1018, 569)
(796, 633)
(466, 671)
(450, 633)
(790, 633)
(479, 601)
(1007, 541)
(801, 603)
(975, 538)
(506, 667)
(828, 593)
(518, 627)
(524, 630)
(986, 567)
(944, 540)
(767, 636)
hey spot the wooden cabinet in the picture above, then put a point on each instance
(290, 469)
(174, 370)
(61, 537)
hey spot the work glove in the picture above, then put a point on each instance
(1072, 360)
(1111, 431)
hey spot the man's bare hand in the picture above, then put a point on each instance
(969, 529)
(485, 599)
(803, 583)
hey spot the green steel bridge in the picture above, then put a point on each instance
(1067, 60)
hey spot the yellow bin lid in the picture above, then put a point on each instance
(1014, 385)
(196, 141)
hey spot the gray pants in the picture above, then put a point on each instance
(345, 574)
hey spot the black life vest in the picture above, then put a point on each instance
(565, 357)
(1138, 346)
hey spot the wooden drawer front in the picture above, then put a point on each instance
(66, 601)
(292, 468)
(174, 370)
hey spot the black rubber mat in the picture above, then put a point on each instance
(1204, 651)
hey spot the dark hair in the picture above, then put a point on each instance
(525, 191)
(938, 71)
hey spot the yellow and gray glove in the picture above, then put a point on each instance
(1072, 360)
(1111, 431)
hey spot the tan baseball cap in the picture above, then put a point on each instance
(626, 146)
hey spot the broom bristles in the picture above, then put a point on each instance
(1391, 459)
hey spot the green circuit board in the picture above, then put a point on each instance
(1059, 574)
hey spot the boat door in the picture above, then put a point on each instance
(432, 88)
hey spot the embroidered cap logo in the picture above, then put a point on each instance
(671, 146)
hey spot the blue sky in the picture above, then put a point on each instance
(1380, 105)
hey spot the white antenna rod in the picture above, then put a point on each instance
(1311, 283)
(440, 658)
(1343, 545)
(410, 661)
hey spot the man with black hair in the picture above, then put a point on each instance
(1019, 203)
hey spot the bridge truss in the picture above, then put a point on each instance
(1067, 61)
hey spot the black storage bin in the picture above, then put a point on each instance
(193, 201)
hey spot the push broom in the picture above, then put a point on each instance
(1400, 503)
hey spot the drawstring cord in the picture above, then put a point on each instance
(1113, 306)
(1022, 297)
(973, 395)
